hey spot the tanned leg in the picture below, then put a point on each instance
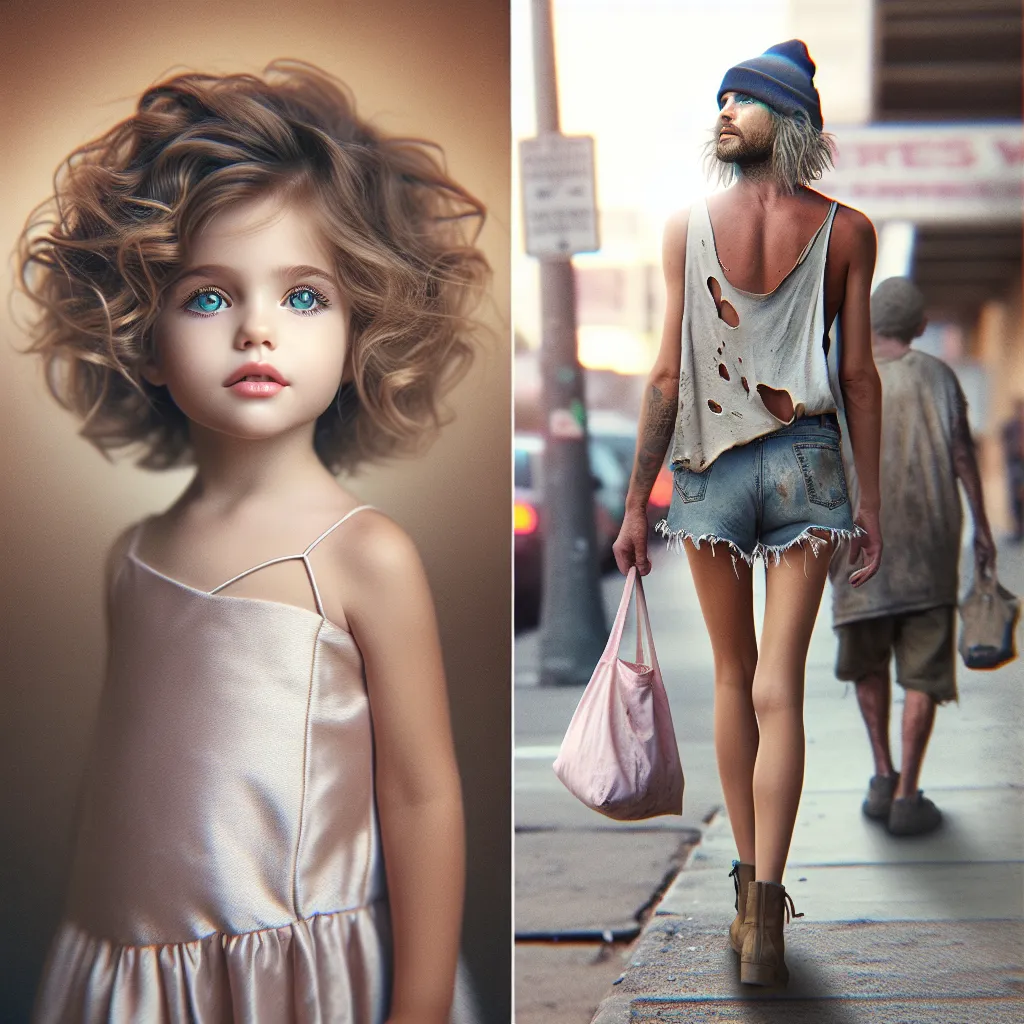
(874, 694)
(793, 596)
(727, 603)
(918, 719)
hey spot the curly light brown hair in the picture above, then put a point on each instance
(97, 255)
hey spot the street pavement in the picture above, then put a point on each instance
(921, 930)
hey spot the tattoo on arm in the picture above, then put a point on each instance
(656, 428)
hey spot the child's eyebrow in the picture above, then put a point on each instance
(305, 270)
(302, 270)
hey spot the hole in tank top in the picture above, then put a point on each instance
(725, 309)
(778, 403)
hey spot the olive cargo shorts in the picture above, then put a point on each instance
(923, 642)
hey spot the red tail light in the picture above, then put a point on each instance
(524, 518)
(661, 492)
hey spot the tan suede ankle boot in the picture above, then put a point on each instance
(762, 961)
(742, 875)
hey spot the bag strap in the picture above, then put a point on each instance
(611, 649)
(642, 615)
(643, 622)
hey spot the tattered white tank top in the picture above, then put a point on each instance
(779, 341)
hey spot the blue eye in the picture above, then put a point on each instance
(306, 300)
(206, 302)
(738, 98)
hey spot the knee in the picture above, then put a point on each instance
(771, 697)
(919, 704)
(735, 671)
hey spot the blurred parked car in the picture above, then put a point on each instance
(610, 484)
(618, 432)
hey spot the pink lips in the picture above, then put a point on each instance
(256, 380)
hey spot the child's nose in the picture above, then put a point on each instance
(255, 332)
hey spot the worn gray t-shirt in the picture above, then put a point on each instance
(921, 517)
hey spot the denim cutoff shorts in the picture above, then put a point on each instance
(765, 496)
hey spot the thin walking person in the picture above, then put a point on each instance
(742, 391)
(910, 609)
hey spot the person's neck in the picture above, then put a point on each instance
(885, 347)
(231, 471)
(757, 183)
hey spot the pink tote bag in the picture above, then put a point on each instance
(619, 754)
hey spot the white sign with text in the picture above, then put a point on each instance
(559, 197)
(930, 173)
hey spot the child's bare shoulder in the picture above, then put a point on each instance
(374, 577)
(374, 545)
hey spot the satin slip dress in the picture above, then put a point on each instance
(228, 862)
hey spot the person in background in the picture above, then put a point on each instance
(1013, 452)
(910, 608)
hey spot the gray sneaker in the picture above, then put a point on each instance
(879, 798)
(914, 816)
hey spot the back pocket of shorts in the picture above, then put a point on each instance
(822, 467)
(690, 486)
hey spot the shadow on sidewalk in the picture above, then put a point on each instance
(952, 874)
(684, 971)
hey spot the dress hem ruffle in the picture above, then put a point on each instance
(328, 967)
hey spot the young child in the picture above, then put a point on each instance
(247, 277)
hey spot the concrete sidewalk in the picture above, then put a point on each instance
(926, 930)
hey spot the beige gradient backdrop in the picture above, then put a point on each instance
(68, 70)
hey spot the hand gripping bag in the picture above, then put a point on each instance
(989, 615)
(619, 754)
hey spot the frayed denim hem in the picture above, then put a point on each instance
(675, 538)
(814, 542)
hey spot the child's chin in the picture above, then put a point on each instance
(261, 425)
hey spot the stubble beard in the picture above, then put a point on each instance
(748, 152)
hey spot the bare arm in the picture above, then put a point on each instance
(658, 413)
(419, 798)
(965, 464)
(862, 390)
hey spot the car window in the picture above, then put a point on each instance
(605, 466)
(624, 448)
(523, 469)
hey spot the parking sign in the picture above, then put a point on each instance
(559, 197)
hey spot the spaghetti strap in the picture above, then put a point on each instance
(304, 558)
(331, 529)
(309, 566)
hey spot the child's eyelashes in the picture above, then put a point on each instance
(207, 301)
(307, 301)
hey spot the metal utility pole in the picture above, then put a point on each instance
(572, 629)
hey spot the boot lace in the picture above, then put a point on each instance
(735, 876)
(789, 907)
